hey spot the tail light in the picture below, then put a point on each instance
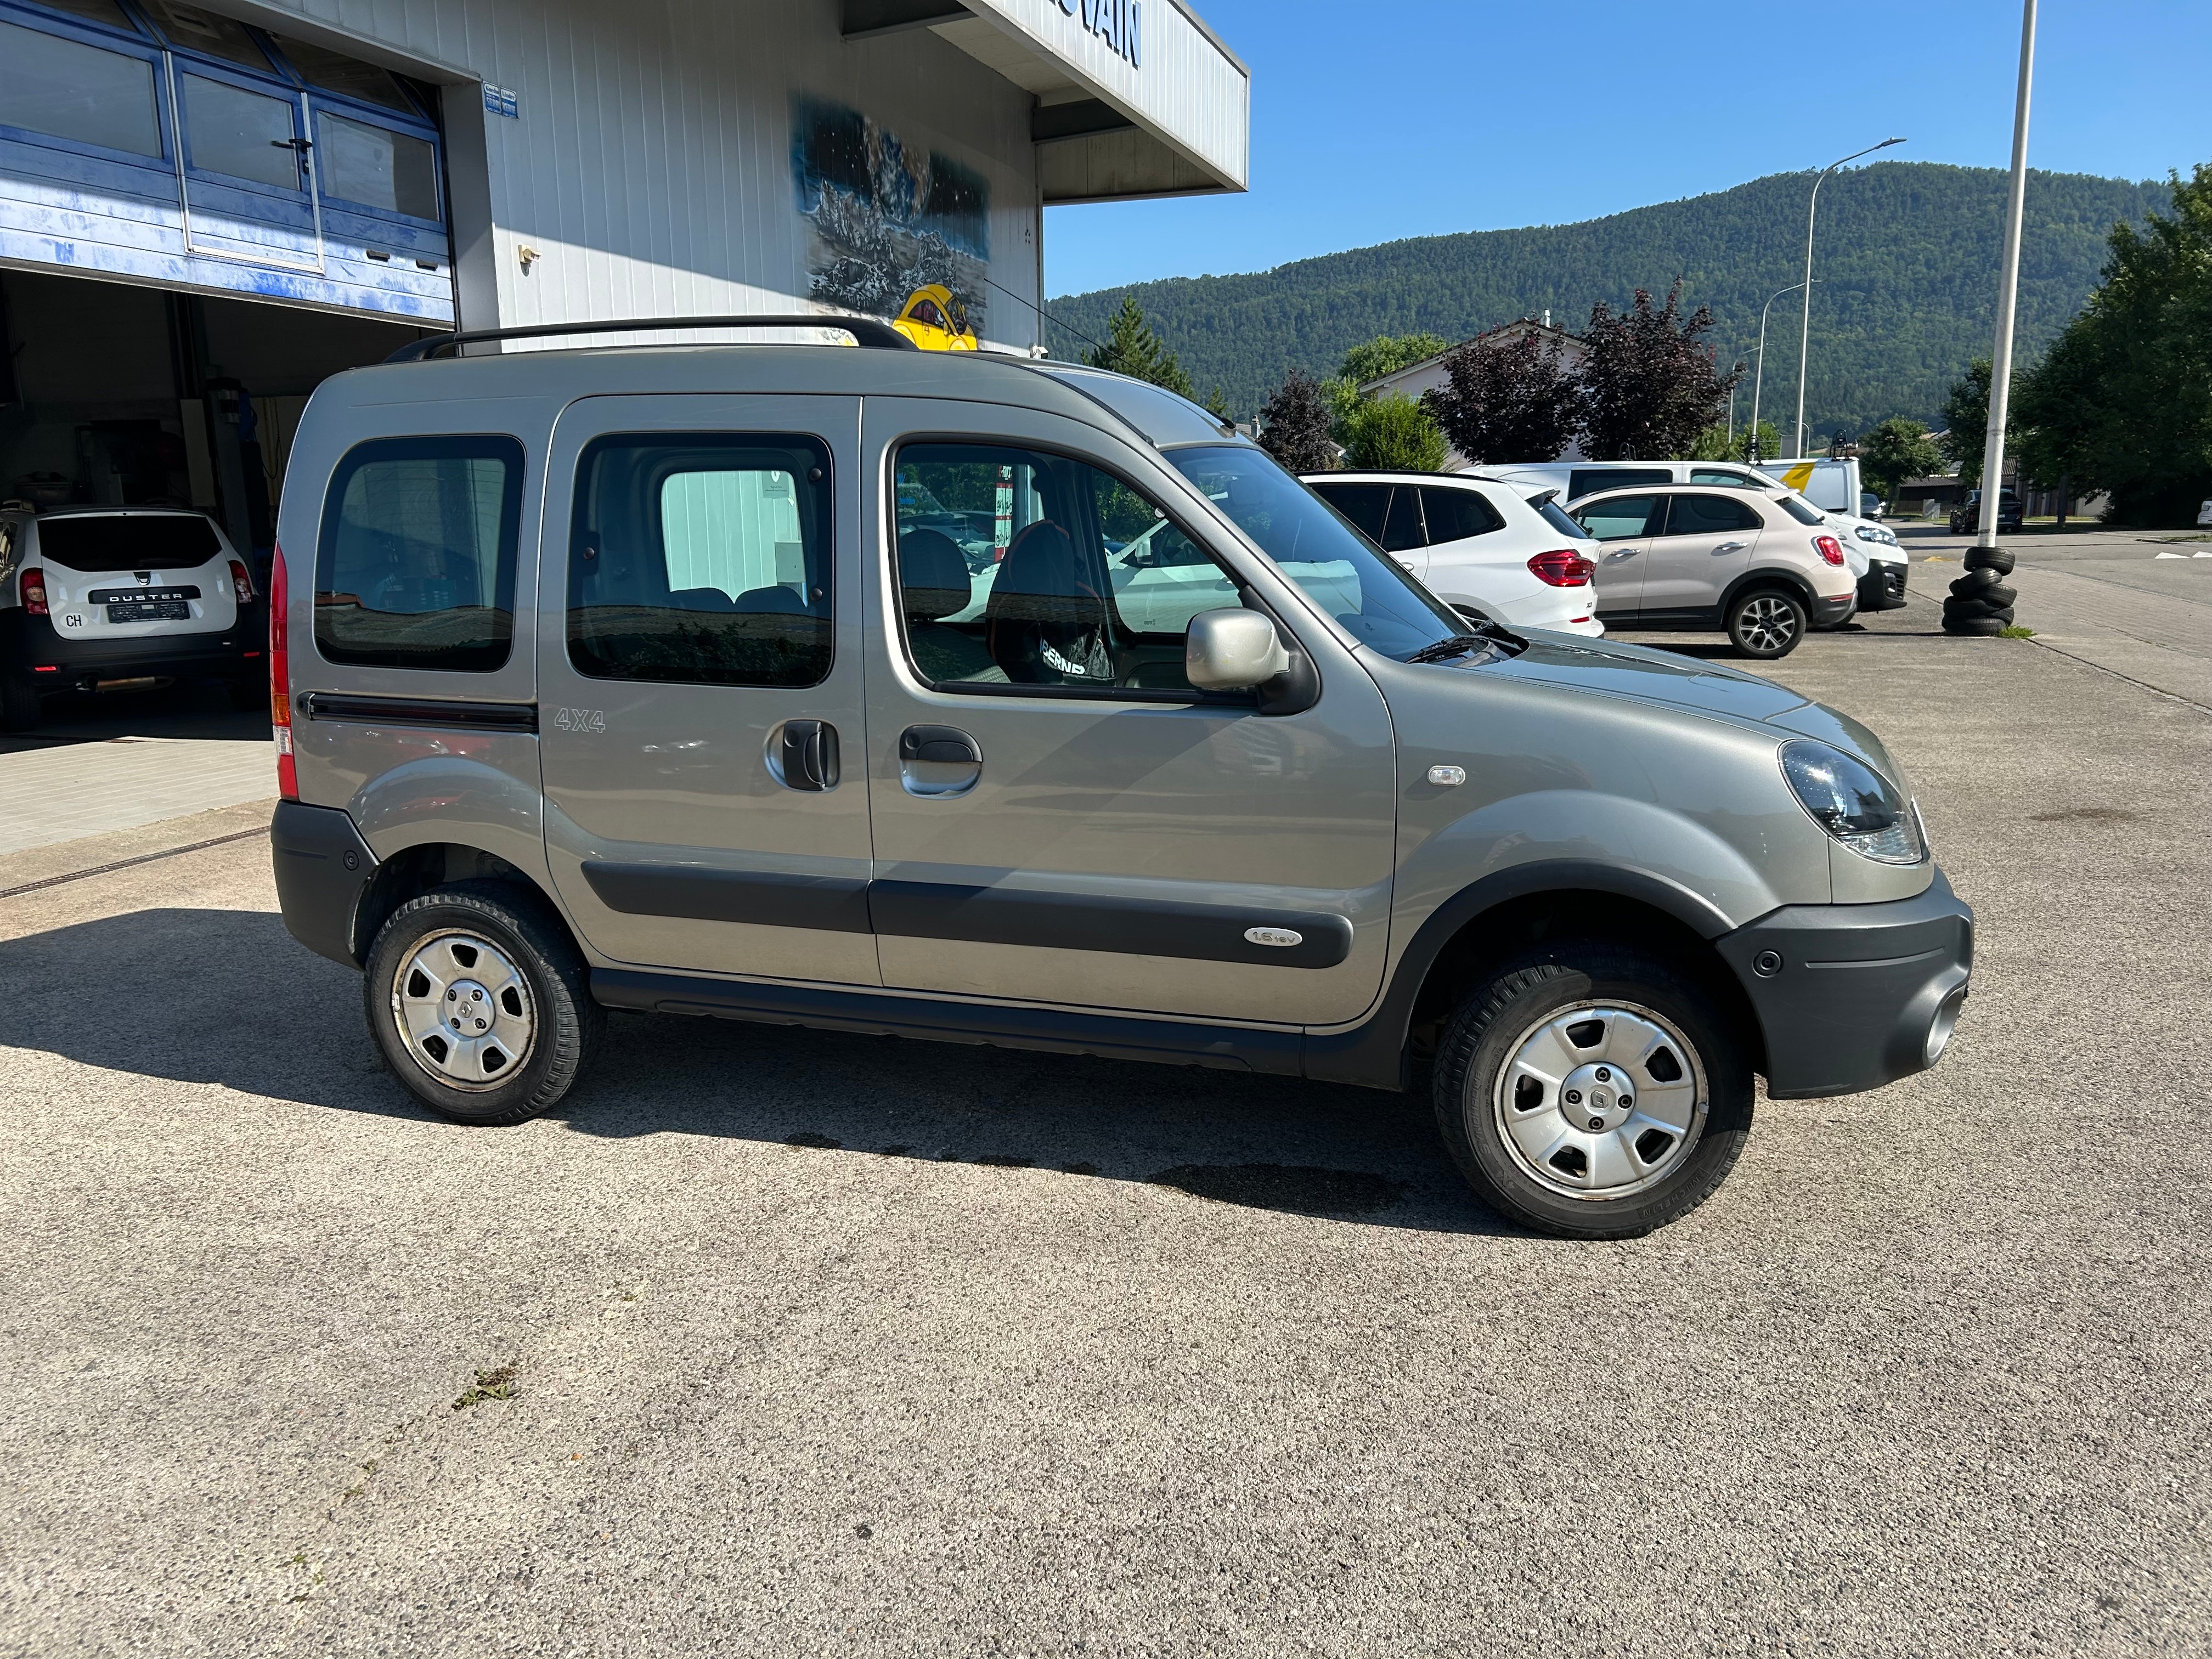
(33, 591)
(1562, 568)
(1829, 549)
(241, 583)
(280, 680)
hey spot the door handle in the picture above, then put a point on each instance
(808, 755)
(1731, 547)
(946, 745)
(1624, 553)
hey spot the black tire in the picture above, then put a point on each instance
(1766, 624)
(20, 706)
(1969, 609)
(1471, 1079)
(1987, 627)
(1992, 558)
(248, 694)
(563, 1022)
(1989, 592)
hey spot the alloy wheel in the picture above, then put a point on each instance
(1767, 624)
(462, 1009)
(1600, 1101)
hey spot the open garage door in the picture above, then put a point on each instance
(153, 142)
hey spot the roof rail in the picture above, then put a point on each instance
(866, 330)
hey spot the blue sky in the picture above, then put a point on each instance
(1376, 119)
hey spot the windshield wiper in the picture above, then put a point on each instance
(1458, 645)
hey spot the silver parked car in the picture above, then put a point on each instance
(670, 680)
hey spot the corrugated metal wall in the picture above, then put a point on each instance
(649, 163)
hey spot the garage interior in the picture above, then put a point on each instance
(121, 395)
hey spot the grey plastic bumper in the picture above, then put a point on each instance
(1852, 996)
(322, 865)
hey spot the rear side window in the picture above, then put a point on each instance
(1624, 518)
(106, 542)
(1455, 514)
(1587, 481)
(1550, 511)
(1711, 515)
(701, 558)
(415, 567)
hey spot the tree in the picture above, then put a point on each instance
(2123, 400)
(1513, 400)
(1967, 422)
(1395, 434)
(1897, 449)
(1386, 354)
(1294, 426)
(1134, 349)
(1649, 387)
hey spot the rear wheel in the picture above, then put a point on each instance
(480, 1004)
(1594, 1092)
(20, 706)
(1766, 624)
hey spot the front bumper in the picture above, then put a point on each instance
(1882, 587)
(1851, 996)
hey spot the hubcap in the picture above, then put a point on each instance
(1767, 624)
(463, 1011)
(1600, 1101)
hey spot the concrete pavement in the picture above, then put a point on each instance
(840, 1344)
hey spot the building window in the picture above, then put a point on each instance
(415, 567)
(239, 134)
(701, 558)
(67, 89)
(376, 167)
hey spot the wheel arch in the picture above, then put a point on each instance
(1511, 912)
(1766, 576)
(426, 866)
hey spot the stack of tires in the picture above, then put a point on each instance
(1979, 602)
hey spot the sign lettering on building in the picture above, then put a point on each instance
(1119, 23)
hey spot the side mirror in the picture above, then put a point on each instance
(1232, 651)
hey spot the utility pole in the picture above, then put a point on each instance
(1759, 378)
(1980, 603)
(1805, 334)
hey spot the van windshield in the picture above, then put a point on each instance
(1316, 546)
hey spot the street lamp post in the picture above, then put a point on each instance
(1805, 335)
(1759, 376)
(1980, 603)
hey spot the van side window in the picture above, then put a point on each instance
(1035, 573)
(703, 558)
(415, 564)
(1587, 481)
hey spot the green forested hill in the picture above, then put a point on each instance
(1906, 297)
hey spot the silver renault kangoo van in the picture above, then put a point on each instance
(1003, 701)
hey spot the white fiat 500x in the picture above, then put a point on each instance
(1476, 544)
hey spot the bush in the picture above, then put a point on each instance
(1395, 434)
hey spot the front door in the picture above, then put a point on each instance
(1059, 817)
(700, 684)
(1707, 544)
(1625, 527)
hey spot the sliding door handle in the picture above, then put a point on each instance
(945, 745)
(807, 756)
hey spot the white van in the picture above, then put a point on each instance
(1877, 562)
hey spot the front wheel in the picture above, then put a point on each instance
(1592, 1092)
(1767, 624)
(480, 1004)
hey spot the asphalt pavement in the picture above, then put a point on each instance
(775, 1342)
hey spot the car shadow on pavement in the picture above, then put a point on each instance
(227, 997)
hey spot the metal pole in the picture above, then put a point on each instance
(1805, 333)
(2008, 291)
(1759, 378)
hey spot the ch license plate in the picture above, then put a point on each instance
(150, 611)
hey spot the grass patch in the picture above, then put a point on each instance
(2016, 632)
(497, 1384)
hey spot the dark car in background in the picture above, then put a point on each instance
(1966, 517)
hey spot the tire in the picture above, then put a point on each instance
(1992, 558)
(507, 943)
(1971, 609)
(1540, 1007)
(1987, 627)
(1766, 624)
(20, 706)
(1989, 592)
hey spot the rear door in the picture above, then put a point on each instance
(1625, 527)
(700, 684)
(1708, 542)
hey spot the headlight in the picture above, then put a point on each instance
(1853, 802)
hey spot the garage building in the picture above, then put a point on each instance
(205, 210)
